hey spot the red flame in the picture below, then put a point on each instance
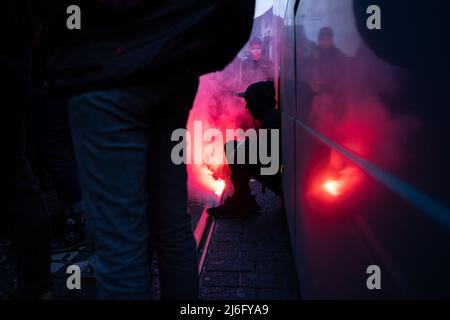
(209, 179)
(335, 181)
(219, 187)
(332, 187)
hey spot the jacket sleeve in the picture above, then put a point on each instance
(214, 42)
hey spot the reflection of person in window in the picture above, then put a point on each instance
(327, 63)
(255, 67)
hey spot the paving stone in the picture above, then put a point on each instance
(82, 256)
(59, 257)
(55, 267)
(229, 226)
(155, 270)
(59, 289)
(260, 255)
(260, 280)
(252, 256)
(247, 259)
(288, 280)
(88, 291)
(253, 237)
(221, 279)
(231, 246)
(273, 266)
(226, 237)
(71, 256)
(285, 258)
(273, 246)
(229, 262)
(220, 293)
(277, 294)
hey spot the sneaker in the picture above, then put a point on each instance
(234, 208)
(87, 267)
(69, 242)
(69, 233)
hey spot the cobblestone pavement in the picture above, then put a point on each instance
(251, 258)
(247, 259)
(59, 265)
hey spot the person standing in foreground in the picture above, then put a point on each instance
(25, 207)
(124, 102)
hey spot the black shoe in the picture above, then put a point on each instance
(69, 242)
(234, 208)
(70, 234)
(12, 292)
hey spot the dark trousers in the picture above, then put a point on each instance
(135, 197)
(242, 173)
(24, 210)
(59, 152)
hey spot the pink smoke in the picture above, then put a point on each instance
(361, 122)
(217, 106)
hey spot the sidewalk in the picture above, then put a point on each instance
(247, 259)
(252, 258)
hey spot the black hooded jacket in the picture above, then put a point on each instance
(15, 24)
(142, 43)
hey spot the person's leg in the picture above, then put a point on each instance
(241, 203)
(274, 183)
(110, 135)
(69, 224)
(171, 225)
(240, 178)
(21, 192)
(58, 151)
(30, 229)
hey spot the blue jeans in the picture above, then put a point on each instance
(135, 197)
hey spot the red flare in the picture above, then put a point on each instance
(333, 187)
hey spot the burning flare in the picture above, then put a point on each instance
(219, 187)
(332, 187)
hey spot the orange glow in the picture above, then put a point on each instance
(210, 179)
(332, 187)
